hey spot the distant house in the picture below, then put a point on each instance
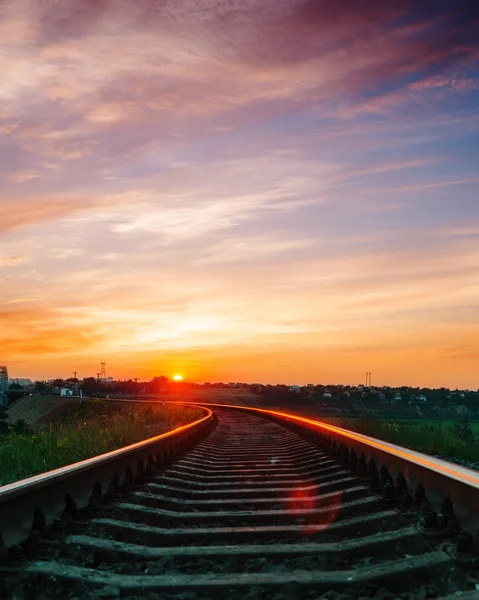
(25, 383)
(422, 398)
(327, 394)
(295, 388)
(360, 388)
(66, 391)
(382, 396)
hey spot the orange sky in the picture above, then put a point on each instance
(272, 191)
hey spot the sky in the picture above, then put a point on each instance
(240, 190)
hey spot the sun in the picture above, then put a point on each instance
(178, 377)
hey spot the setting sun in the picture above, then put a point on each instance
(178, 378)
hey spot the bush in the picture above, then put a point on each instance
(21, 427)
(462, 430)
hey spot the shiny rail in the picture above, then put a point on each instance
(19, 500)
(260, 505)
(439, 478)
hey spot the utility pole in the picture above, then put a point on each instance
(98, 377)
(136, 387)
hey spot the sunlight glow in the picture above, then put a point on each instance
(178, 377)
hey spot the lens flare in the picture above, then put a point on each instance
(309, 497)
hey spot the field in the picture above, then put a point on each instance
(61, 431)
(448, 438)
(455, 439)
(238, 396)
(94, 428)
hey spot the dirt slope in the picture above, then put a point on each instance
(33, 408)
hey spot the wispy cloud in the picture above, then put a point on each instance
(210, 184)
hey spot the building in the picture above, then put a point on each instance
(66, 391)
(295, 388)
(3, 385)
(26, 383)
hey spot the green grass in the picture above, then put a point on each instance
(94, 429)
(449, 438)
(452, 439)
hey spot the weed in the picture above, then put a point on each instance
(455, 441)
(93, 430)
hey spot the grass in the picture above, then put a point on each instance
(94, 429)
(449, 439)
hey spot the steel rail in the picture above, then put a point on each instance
(315, 498)
(47, 491)
(440, 478)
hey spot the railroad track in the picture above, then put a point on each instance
(248, 509)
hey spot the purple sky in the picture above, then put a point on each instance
(257, 190)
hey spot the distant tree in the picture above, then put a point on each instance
(92, 387)
(40, 387)
(15, 395)
(124, 387)
(462, 428)
(15, 387)
(4, 426)
(157, 384)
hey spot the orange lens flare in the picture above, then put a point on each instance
(309, 497)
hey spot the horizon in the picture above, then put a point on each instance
(262, 190)
(262, 383)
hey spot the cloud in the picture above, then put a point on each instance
(424, 186)
(195, 176)
(20, 177)
(423, 91)
(11, 261)
(29, 211)
(253, 248)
